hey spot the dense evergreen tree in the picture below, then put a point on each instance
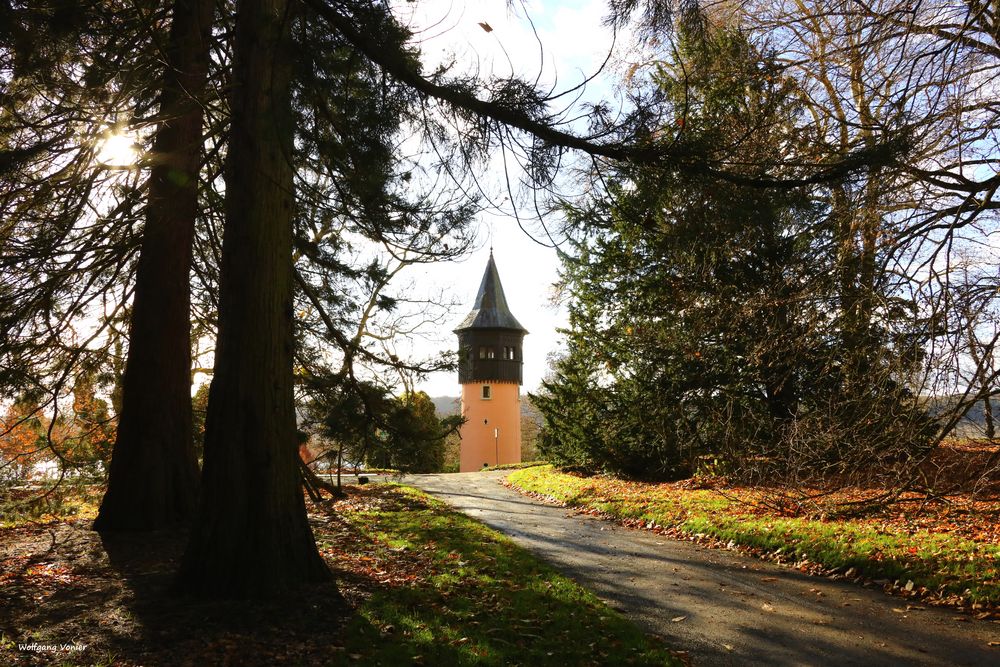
(573, 402)
(346, 173)
(710, 308)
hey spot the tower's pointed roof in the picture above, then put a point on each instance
(490, 310)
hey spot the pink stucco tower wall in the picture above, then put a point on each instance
(492, 432)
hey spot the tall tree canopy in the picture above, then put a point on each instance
(708, 322)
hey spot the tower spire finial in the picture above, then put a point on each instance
(490, 310)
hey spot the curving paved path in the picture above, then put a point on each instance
(722, 607)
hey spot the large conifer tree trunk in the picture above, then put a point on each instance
(154, 473)
(251, 536)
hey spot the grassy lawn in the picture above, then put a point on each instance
(948, 554)
(454, 592)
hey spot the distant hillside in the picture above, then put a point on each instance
(446, 405)
(450, 405)
(974, 421)
(529, 410)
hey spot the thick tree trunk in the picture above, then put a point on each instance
(153, 478)
(251, 536)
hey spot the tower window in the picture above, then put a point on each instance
(487, 392)
(491, 353)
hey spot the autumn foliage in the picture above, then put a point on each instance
(77, 439)
(20, 441)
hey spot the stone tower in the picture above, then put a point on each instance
(489, 370)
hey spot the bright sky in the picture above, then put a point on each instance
(575, 44)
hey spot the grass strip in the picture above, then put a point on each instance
(939, 565)
(475, 598)
(516, 466)
(35, 506)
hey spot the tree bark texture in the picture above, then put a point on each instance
(251, 537)
(153, 479)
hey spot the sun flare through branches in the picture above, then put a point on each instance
(118, 151)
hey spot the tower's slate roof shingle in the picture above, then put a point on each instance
(490, 310)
